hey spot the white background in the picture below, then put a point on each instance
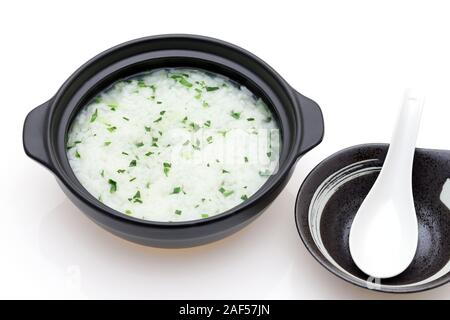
(354, 58)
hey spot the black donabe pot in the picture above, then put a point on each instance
(45, 130)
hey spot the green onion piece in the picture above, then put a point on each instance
(236, 115)
(158, 120)
(212, 88)
(111, 129)
(185, 83)
(176, 190)
(148, 129)
(178, 212)
(112, 186)
(149, 153)
(77, 155)
(204, 215)
(209, 139)
(225, 193)
(125, 118)
(94, 115)
(207, 123)
(139, 144)
(250, 119)
(132, 163)
(121, 171)
(244, 197)
(107, 143)
(166, 168)
(245, 159)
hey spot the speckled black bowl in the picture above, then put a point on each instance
(332, 193)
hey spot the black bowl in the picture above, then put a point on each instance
(332, 194)
(45, 129)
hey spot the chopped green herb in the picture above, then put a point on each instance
(178, 212)
(244, 197)
(269, 154)
(194, 126)
(162, 112)
(185, 83)
(102, 173)
(250, 119)
(186, 143)
(212, 88)
(236, 115)
(207, 123)
(132, 163)
(166, 168)
(149, 153)
(132, 179)
(111, 129)
(265, 173)
(147, 185)
(112, 106)
(97, 100)
(124, 153)
(125, 118)
(94, 115)
(121, 171)
(184, 120)
(176, 190)
(159, 102)
(128, 212)
(148, 129)
(225, 193)
(204, 215)
(246, 159)
(107, 143)
(77, 154)
(225, 171)
(112, 186)
(139, 144)
(268, 119)
(160, 133)
(158, 120)
(223, 133)
(205, 104)
(74, 144)
(196, 147)
(209, 139)
(142, 84)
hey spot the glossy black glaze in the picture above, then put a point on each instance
(431, 169)
(45, 129)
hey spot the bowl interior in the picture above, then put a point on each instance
(337, 188)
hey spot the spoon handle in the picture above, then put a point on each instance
(399, 160)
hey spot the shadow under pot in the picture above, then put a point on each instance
(46, 130)
(331, 195)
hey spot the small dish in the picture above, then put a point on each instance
(332, 193)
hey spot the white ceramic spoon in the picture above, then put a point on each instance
(384, 233)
